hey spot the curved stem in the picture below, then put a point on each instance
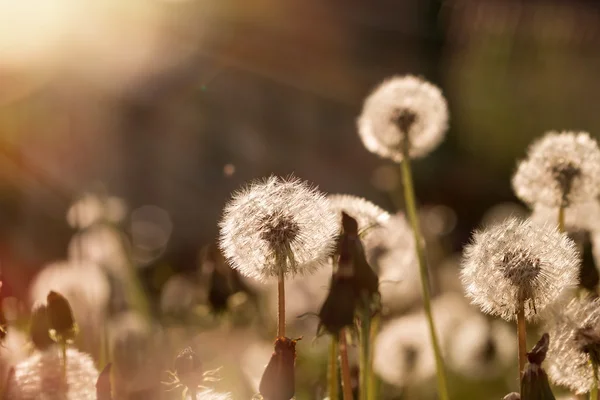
(561, 219)
(346, 377)
(411, 210)
(333, 378)
(522, 338)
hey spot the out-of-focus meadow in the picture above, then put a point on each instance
(126, 125)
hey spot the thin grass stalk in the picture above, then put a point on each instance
(333, 375)
(594, 391)
(411, 210)
(372, 378)
(345, 367)
(522, 339)
(561, 218)
(365, 338)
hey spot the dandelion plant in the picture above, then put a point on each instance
(515, 269)
(403, 118)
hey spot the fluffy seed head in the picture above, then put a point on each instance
(40, 377)
(575, 337)
(367, 214)
(278, 225)
(561, 169)
(516, 262)
(401, 108)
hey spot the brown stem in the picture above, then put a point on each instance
(346, 378)
(281, 305)
(522, 337)
(561, 218)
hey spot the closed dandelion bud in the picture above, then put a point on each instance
(339, 306)
(575, 347)
(39, 329)
(518, 263)
(189, 368)
(534, 381)
(60, 316)
(561, 169)
(403, 110)
(278, 381)
(278, 227)
(40, 377)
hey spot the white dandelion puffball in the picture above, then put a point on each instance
(561, 169)
(91, 209)
(278, 226)
(403, 106)
(567, 362)
(582, 217)
(518, 262)
(482, 349)
(40, 377)
(366, 214)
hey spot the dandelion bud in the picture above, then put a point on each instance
(276, 227)
(518, 263)
(188, 368)
(561, 169)
(403, 110)
(339, 306)
(534, 381)
(278, 381)
(39, 329)
(40, 377)
(60, 316)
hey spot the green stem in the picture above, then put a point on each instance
(345, 364)
(365, 338)
(594, 391)
(63, 345)
(333, 375)
(561, 219)
(411, 210)
(373, 381)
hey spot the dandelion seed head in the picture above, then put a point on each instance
(278, 219)
(367, 214)
(399, 108)
(561, 169)
(567, 362)
(40, 377)
(518, 261)
(581, 217)
(91, 209)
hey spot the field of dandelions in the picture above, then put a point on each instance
(314, 295)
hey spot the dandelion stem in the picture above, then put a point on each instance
(522, 338)
(365, 338)
(594, 391)
(63, 345)
(373, 382)
(281, 305)
(346, 378)
(333, 369)
(561, 218)
(193, 393)
(411, 210)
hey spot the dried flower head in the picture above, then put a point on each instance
(575, 333)
(481, 349)
(40, 377)
(278, 226)
(403, 108)
(516, 262)
(561, 169)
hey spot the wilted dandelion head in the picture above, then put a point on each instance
(561, 169)
(40, 377)
(367, 214)
(403, 108)
(278, 225)
(481, 349)
(575, 333)
(515, 262)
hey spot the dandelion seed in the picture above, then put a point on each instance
(403, 108)
(481, 349)
(518, 262)
(561, 169)
(574, 331)
(40, 377)
(278, 226)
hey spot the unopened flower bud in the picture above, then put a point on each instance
(534, 381)
(278, 381)
(60, 316)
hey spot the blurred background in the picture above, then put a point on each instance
(170, 105)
